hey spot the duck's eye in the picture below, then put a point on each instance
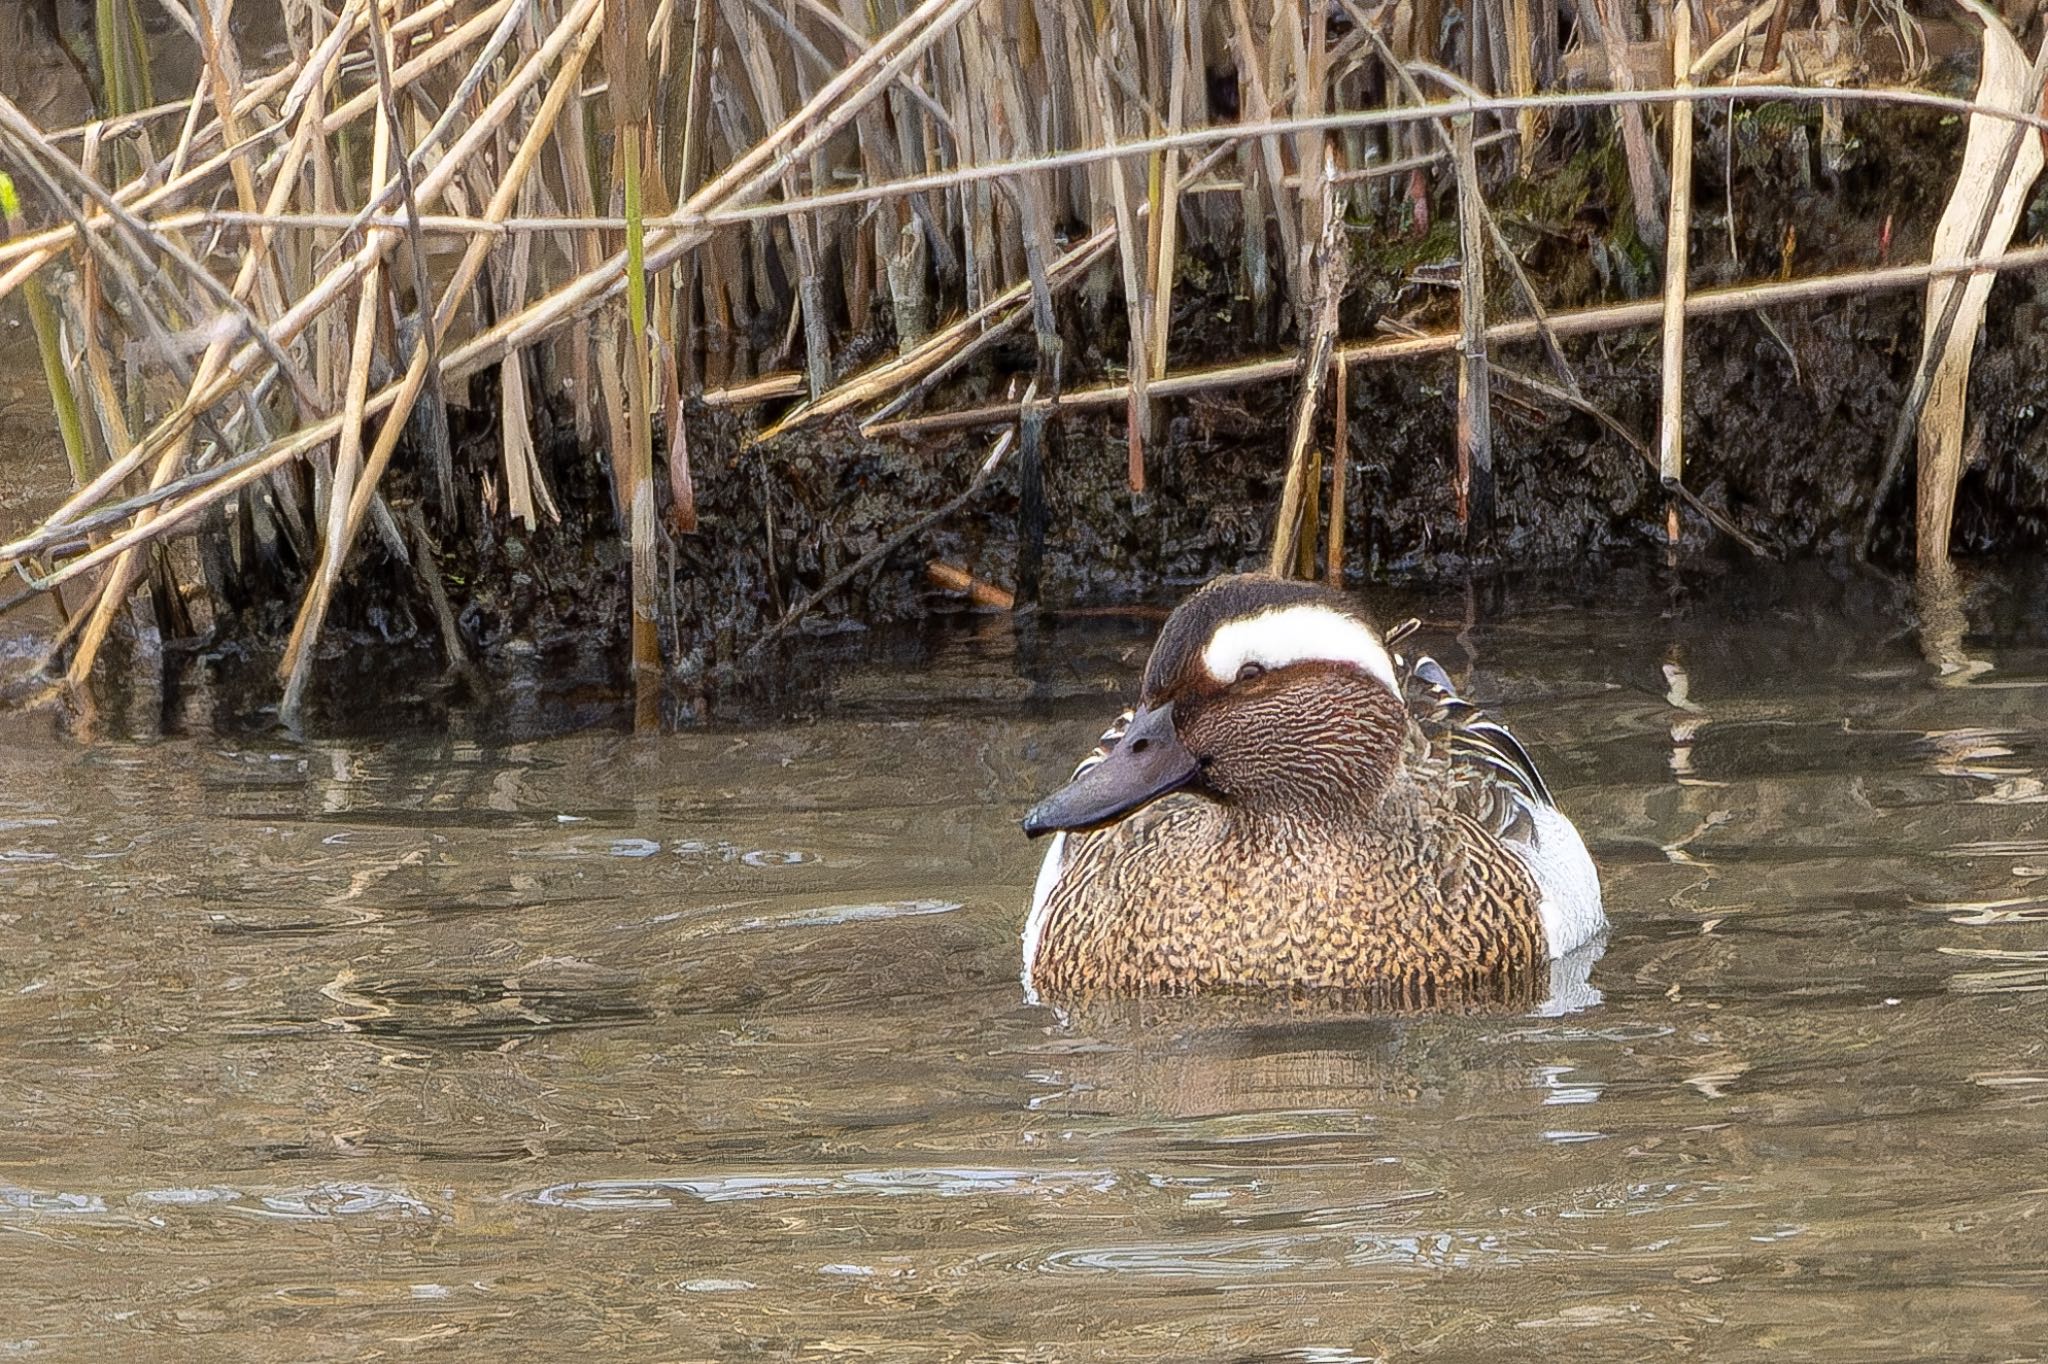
(1251, 670)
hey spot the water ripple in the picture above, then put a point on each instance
(617, 1195)
(1274, 1254)
(36, 1202)
(316, 1202)
(325, 1201)
(847, 914)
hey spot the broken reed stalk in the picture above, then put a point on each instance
(1521, 51)
(1260, 107)
(440, 459)
(1575, 322)
(1677, 257)
(1340, 461)
(1164, 199)
(646, 627)
(768, 388)
(1475, 392)
(954, 578)
(1931, 532)
(421, 542)
(1292, 527)
(1643, 172)
(1774, 36)
(54, 240)
(297, 666)
(1314, 199)
(1732, 38)
(387, 148)
(1138, 411)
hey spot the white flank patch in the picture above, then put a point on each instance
(1041, 908)
(1297, 634)
(1566, 879)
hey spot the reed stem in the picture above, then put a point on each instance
(1677, 258)
(42, 316)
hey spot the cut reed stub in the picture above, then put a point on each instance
(953, 578)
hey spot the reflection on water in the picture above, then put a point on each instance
(712, 1045)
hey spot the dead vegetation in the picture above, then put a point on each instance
(257, 297)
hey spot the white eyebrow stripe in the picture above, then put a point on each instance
(1297, 634)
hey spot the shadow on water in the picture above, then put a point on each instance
(712, 1044)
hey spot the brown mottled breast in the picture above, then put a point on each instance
(1415, 906)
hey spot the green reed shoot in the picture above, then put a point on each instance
(42, 315)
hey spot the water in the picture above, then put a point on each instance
(712, 1046)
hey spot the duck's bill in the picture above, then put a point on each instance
(1148, 762)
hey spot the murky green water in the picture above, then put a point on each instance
(712, 1045)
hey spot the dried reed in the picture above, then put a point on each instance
(428, 192)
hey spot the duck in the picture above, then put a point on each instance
(1291, 806)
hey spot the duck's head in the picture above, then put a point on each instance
(1271, 696)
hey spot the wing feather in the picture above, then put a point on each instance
(1481, 751)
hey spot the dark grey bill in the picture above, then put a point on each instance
(1149, 762)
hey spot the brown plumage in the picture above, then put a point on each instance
(1293, 825)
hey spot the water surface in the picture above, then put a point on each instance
(712, 1045)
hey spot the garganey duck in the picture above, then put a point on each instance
(1289, 807)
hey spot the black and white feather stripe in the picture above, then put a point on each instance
(1477, 741)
